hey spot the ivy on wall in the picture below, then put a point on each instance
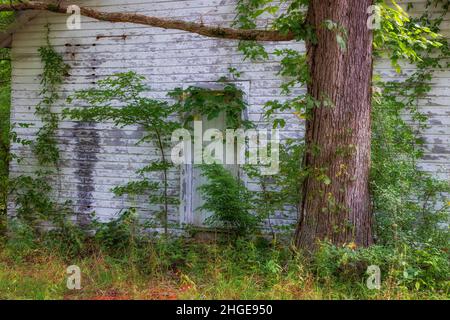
(196, 101)
(33, 195)
(54, 72)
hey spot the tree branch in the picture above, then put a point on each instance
(198, 28)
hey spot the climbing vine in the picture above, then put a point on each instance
(196, 101)
(54, 72)
(33, 194)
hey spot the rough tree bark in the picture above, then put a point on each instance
(336, 202)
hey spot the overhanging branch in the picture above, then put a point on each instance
(198, 28)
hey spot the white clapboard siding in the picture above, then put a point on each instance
(97, 157)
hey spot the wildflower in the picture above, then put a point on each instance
(352, 245)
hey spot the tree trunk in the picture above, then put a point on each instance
(336, 203)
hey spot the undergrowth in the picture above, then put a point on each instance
(182, 269)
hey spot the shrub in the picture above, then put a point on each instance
(22, 240)
(410, 205)
(228, 200)
(417, 269)
(117, 237)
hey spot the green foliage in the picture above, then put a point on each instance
(293, 19)
(67, 238)
(411, 268)
(119, 98)
(249, 10)
(401, 37)
(228, 200)
(6, 18)
(301, 106)
(41, 221)
(118, 237)
(243, 269)
(247, 13)
(126, 241)
(33, 199)
(410, 204)
(282, 191)
(22, 239)
(131, 108)
(196, 101)
(252, 50)
(350, 264)
(291, 175)
(294, 66)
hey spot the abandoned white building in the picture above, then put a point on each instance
(98, 156)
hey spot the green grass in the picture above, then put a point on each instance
(181, 270)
